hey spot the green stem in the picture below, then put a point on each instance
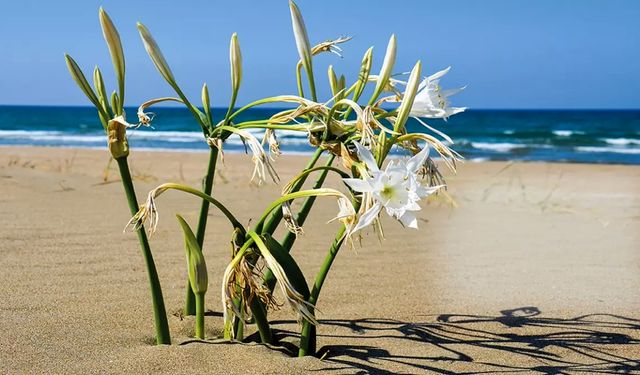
(290, 238)
(299, 79)
(276, 217)
(234, 96)
(159, 312)
(238, 324)
(207, 186)
(260, 316)
(307, 335)
(200, 316)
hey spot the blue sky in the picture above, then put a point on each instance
(511, 54)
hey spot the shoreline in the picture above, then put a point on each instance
(304, 153)
(537, 265)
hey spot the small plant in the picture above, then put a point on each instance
(361, 136)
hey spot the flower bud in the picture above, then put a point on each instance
(235, 58)
(81, 80)
(385, 71)
(115, 104)
(342, 85)
(300, 34)
(156, 55)
(98, 84)
(206, 103)
(112, 38)
(409, 96)
(333, 81)
(363, 76)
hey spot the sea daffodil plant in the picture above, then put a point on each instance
(360, 132)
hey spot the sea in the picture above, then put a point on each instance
(577, 136)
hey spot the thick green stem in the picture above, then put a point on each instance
(308, 333)
(200, 316)
(207, 186)
(238, 324)
(159, 312)
(259, 312)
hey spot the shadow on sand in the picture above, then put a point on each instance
(515, 341)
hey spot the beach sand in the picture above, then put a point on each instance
(537, 270)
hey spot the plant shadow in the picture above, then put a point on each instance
(520, 340)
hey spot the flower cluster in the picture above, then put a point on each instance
(362, 136)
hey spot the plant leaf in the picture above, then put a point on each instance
(291, 268)
(195, 259)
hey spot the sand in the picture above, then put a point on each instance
(537, 270)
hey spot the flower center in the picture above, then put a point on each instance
(387, 192)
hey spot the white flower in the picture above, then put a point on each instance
(330, 46)
(433, 102)
(262, 165)
(271, 139)
(397, 188)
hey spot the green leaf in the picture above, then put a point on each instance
(195, 259)
(289, 265)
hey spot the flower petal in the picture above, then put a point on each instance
(367, 157)
(368, 217)
(408, 219)
(417, 161)
(438, 75)
(358, 185)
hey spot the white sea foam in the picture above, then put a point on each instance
(285, 136)
(163, 135)
(566, 133)
(497, 147)
(615, 150)
(478, 160)
(23, 133)
(622, 141)
(508, 132)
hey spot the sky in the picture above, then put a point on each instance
(510, 54)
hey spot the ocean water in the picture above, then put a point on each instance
(539, 135)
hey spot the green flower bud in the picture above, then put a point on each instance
(112, 38)
(385, 71)
(363, 76)
(333, 81)
(156, 55)
(235, 58)
(409, 97)
(81, 80)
